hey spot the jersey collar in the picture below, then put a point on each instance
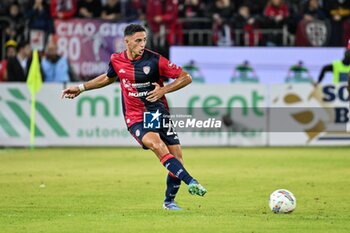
(126, 57)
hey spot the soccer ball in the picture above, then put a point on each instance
(282, 201)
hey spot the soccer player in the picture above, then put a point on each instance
(141, 72)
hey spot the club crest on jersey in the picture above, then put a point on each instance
(146, 69)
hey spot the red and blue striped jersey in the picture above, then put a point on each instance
(136, 78)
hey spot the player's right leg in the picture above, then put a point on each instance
(153, 141)
(194, 187)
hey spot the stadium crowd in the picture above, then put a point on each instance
(184, 22)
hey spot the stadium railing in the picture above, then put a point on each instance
(202, 34)
(287, 38)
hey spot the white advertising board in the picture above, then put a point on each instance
(304, 115)
(262, 115)
(96, 118)
(271, 64)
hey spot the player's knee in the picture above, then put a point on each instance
(180, 159)
(157, 146)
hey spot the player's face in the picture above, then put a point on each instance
(136, 43)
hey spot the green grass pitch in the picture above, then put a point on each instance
(121, 190)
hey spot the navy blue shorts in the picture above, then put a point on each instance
(168, 136)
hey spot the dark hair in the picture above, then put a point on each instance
(131, 29)
(22, 44)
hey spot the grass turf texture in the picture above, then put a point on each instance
(121, 190)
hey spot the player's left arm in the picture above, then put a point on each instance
(183, 80)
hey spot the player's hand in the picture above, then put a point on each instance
(157, 19)
(156, 94)
(71, 92)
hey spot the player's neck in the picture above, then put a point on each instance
(131, 56)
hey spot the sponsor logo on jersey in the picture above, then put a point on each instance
(131, 86)
(141, 85)
(138, 94)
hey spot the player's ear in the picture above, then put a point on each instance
(126, 39)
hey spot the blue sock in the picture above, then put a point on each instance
(175, 167)
(173, 186)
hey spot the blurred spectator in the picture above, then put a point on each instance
(4, 6)
(12, 24)
(112, 10)
(10, 52)
(276, 13)
(244, 73)
(320, 30)
(163, 15)
(89, 9)
(256, 8)
(3, 70)
(246, 24)
(55, 68)
(313, 11)
(190, 11)
(63, 9)
(221, 13)
(299, 74)
(40, 18)
(16, 16)
(339, 11)
(340, 69)
(295, 9)
(11, 49)
(134, 10)
(18, 66)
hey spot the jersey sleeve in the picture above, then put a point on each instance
(111, 72)
(168, 69)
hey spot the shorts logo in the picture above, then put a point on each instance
(137, 133)
(151, 120)
(146, 69)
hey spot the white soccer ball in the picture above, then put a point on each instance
(282, 201)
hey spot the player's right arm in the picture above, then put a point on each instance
(98, 82)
